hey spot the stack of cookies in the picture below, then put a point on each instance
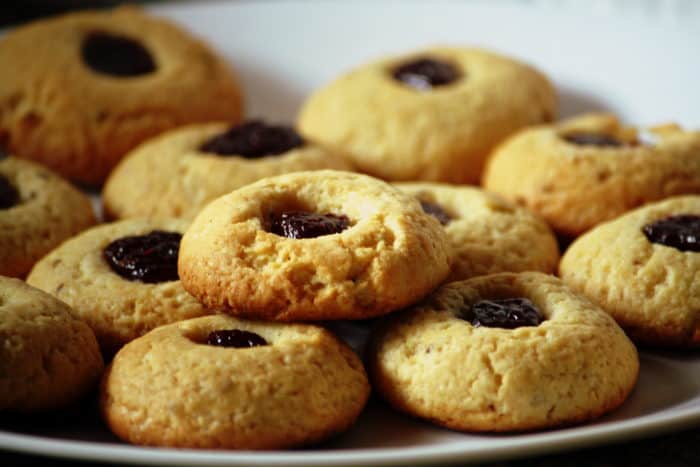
(233, 242)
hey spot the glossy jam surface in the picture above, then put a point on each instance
(149, 258)
(235, 338)
(300, 224)
(680, 232)
(426, 73)
(509, 313)
(254, 139)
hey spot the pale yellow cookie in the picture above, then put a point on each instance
(298, 385)
(48, 357)
(590, 169)
(652, 289)
(410, 130)
(487, 234)
(370, 249)
(434, 363)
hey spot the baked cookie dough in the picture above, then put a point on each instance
(586, 170)
(431, 115)
(48, 357)
(38, 210)
(121, 278)
(487, 234)
(313, 245)
(179, 172)
(472, 356)
(87, 87)
(644, 269)
(262, 386)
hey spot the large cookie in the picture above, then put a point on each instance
(432, 115)
(644, 269)
(178, 173)
(87, 87)
(313, 245)
(591, 169)
(504, 352)
(38, 211)
(262, 386)
(48, 357)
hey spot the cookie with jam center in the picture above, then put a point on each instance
(88, 87)
(38, 211)
(313, 245)
(432, 115)
(49, 358)
(272, 386)
(644, 269)
(179, 172)
(121, 278)
(487, 234)
(503, 352)
(590, 169)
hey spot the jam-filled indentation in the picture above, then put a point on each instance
(302, 224)
(235, 338)
(115, 55)
(149, 258)
(508, 313)
(681, 232)
(254, 139)
(426, 73)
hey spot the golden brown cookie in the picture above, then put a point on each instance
(262, 386)
(87, 87)
(431, 115)
(313, 245)
(179, 172)
(487, 234)
(472, 357)
(590, 169)
(644, 269)
(48, 357)
(38, 210)
(121, 278)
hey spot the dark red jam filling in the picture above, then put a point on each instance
(149, 258)
(235, 338)
(593, 139)
(300, 224)
(254, 139)
(8, 194)
(426, 73)
(679, 232)
(436, 211)
(116, 55)
(508, 313)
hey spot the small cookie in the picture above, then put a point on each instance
(644, 269)
(121, 278)
(590, 169)
(87, 87)
(505, 352)
(178, 173)
(433, 115)
(223, 383)
(313, 245)
(48, 357)
(38, 210)
(487, 234)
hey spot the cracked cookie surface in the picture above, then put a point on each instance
(652, 290)
(431, 362)
(48, 357)
(47, 211)
(590, 169)
(117, 309)
(488, 234)
(390, 255)
(169, 388)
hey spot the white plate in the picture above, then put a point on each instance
(646, 72)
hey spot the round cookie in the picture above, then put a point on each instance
(48, 357)
(124, 293)
(487, 234)
(646, 276)
(443, 359)
(179, 172)
(38, 210)
(313, 245)
(432, 115)
(87, 87)
(586, 170)
(276, 386)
